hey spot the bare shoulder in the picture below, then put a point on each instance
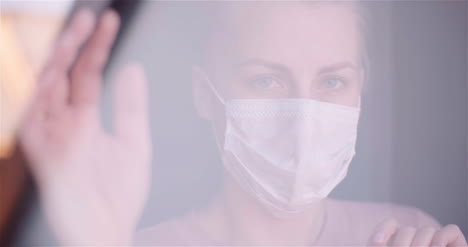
(162, 234)
(374, 213)
(359, 219)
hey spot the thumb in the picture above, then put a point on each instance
(131, 116)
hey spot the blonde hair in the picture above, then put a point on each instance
(213, 20)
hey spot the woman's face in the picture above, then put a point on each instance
(273, 50)
(286, 50)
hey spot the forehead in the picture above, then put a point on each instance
(287, 32)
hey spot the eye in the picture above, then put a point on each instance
(265, 83)
(332, 83)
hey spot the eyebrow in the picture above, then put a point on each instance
(283, 68)
(337, 66)
(264, 63)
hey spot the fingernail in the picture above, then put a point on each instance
(379, 237)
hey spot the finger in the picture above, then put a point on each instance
(403, 237)
(68, 45)
(87, 72)
(383, 232)
(50, 93)
(450, 235)
(131, 120)
(57, 96)
(423, 237)
(48, 101)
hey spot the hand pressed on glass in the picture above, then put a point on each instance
(93, 184)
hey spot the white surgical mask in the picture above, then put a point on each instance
(288, 153)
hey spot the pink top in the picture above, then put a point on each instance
(347, 224)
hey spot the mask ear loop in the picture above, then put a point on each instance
(212, 87)
(223, 102)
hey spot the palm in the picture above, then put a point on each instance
(92, 183)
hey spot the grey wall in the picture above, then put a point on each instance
(412, 144)
(430, 108)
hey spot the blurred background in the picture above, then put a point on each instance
(412, 146)
(27, 30)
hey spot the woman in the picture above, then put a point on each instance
(283, 96)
